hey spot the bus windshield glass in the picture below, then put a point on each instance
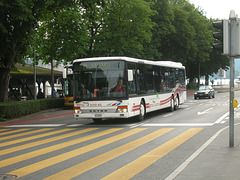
(99, 80)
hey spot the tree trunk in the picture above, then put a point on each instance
(4, 83)
(206, 80)
(52, 76)
(5, 69)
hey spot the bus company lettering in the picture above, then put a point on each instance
(85, 104)
(95, 105)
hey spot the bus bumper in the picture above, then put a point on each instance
(104, 116)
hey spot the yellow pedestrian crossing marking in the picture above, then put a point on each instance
(1, 130)
(37, 143)
(32, 137)
(12, 132)
(54, 148)
(94, 162)
(56, 159)
(23, 134)
(146, 160)
(127, 171)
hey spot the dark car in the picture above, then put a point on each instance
(204, 91)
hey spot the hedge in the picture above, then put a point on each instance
(14, 109)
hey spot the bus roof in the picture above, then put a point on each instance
(135, 60)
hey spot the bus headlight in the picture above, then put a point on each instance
(77, 110)
(122, 109)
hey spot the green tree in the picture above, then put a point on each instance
(62, 36)
(162, 29)
(192, 42)
(18, 19)
(94, 18)
(202, 41)
(127, 26)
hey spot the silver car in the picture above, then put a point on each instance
(204, 91)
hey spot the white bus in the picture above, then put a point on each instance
(123, 87)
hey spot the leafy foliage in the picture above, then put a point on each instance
(62, 35)
(127, 25)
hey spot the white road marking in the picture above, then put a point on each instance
(37, 125)
(180, 124)
(136, 125)
(204, 112)
(221, 118)
(168, 115)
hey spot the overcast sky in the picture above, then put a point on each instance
(218, 8)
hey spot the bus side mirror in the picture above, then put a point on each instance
(130, 75)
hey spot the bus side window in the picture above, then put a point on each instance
(163, 85)
(132, 84)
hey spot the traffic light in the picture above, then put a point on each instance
(222, 36)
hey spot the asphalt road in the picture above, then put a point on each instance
(53, 145)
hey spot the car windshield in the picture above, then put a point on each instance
(204, 88)
(99, 80)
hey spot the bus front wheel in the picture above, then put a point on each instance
(142, 112)
(171, 108)
(176, 106)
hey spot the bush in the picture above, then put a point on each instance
(14, 109)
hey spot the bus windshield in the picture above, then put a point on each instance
(100, 80)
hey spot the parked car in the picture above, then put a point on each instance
(204, 91)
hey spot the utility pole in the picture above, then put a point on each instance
(233, 25)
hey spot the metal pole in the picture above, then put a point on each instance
(233, 21)
(231, 109)
(199, 74)
(35, 76)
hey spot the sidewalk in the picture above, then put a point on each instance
(216, 161)
(45, 115)
(225, 88)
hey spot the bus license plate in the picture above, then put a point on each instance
(98, 115)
